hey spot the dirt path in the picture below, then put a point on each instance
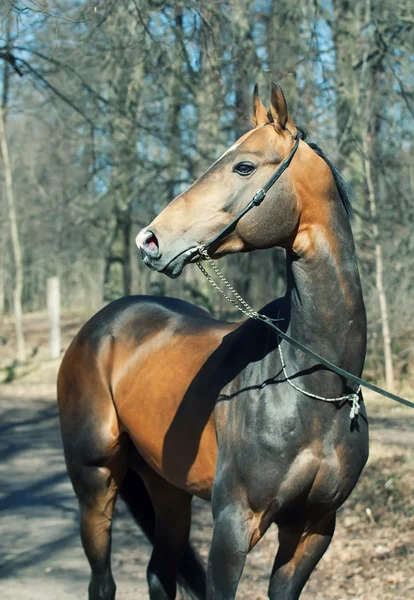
(41, 557)
(39, 545)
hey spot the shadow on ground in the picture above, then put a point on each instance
(40, 546)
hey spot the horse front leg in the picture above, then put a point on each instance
(234, 527)
(301, 546)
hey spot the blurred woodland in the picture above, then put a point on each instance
(111, 108)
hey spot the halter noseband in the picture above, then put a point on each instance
(258, 197)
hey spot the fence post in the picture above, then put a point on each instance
(53, 307)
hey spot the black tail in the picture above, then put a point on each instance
(191, 573)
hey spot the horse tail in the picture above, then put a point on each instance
(191, 576)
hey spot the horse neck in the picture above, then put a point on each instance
(324, 295)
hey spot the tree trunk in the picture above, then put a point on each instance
(245, 64)
(3, 246)
(126, 252)
(14, 236)
(345, 27)
(379, 280)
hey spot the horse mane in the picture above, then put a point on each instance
(346, 192)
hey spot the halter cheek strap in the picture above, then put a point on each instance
(258, 197)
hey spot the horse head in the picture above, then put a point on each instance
(223, 191)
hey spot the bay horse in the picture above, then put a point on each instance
(160, 402)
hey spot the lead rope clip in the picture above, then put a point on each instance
(354, 406)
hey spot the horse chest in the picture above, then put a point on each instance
(279, 450)
(258, 433)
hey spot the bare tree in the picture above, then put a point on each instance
(11, 205)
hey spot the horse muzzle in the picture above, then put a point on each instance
(170, 263)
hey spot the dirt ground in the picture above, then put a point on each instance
(370, 557)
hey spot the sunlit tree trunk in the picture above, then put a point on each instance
(379, 267)
(2, 273)
(11, 208)
(14, 237)
(370, 119)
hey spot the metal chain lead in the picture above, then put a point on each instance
(246, 309)
(241, 304)
(218, 288)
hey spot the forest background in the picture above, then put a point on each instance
(111, 108)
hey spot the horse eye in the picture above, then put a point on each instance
(244, 168)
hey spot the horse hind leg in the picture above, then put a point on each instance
(300, 549)
(97, 492)
(172, 560)
(96, 465)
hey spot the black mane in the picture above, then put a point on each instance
(346, 192)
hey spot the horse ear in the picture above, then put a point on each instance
(260, 115)
(279, 110)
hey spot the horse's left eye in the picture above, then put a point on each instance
(244, 168)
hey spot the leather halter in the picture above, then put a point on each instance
(258, 197)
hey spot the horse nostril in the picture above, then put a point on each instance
(147, 242)
(152, 243)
